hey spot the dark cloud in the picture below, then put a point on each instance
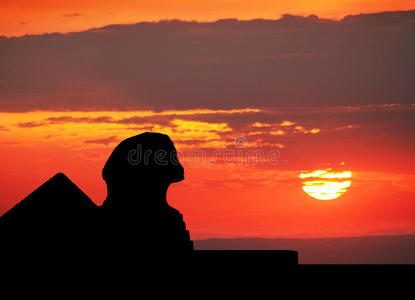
(136, 120)
(103, 141)
(72, 15)
(293, 61)
(161, 120)
(31, 124)
(68, 119)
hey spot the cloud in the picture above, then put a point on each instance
(301, 129)
(31, 124)
(2, 128)
(278, 132)
(345, 127)
(278, 123)
(72, 15)
(68, 119)
(103, 141)
(387, 18)
(260, 125)
(228, 64)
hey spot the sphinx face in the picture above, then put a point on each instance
(144, 161)
(176, 173)
(160, 166)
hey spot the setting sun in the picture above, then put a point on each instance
(326, 184)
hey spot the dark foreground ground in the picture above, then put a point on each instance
(250, 266)
(207, 275)
(366, 250)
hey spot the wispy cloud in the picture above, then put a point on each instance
(73, 15)
(103, 141)
(31, 124)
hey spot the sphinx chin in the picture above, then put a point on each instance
(177, 178)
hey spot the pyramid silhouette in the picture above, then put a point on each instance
(58, 200)
(56, 216)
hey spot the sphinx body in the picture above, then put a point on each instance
(58, 218)
(135, 214)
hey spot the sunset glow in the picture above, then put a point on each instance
(269, 111)
(325, 184)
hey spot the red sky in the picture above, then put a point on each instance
(232, 198)
(308, 93)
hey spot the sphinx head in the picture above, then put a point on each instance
(147, 160)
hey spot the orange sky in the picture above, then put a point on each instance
(228, 198)
(318, 94)
(19, 17)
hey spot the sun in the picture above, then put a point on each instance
(326, 184)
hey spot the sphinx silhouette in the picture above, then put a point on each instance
(136, 214)
(58, 217)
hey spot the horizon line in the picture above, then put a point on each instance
(304, 238)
